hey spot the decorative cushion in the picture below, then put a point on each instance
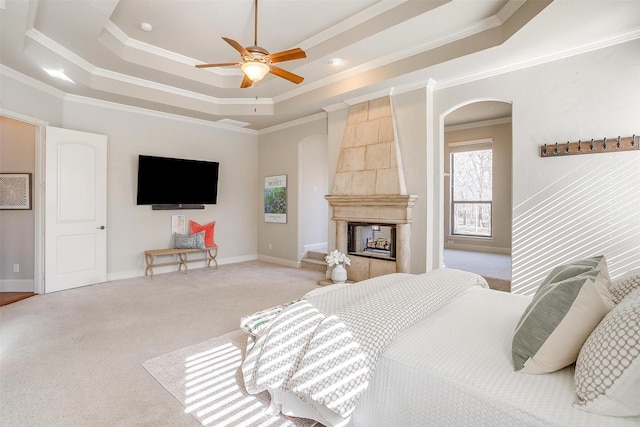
(575, 268)
(607, 372)
(194, 227)
(256, 323)
(558, 321)
(624, 285)
(194, 241)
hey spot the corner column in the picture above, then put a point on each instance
(403, 248)
(341, 236)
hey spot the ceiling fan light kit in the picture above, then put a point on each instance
(255, 70)
(257, 62)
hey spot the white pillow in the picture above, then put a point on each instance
(607, 374)
(623, 286)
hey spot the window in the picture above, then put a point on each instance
(471, 189)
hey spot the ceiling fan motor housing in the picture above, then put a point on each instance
(257, 54)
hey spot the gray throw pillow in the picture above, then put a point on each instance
(193, 241)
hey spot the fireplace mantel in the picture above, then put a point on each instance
(388, 209)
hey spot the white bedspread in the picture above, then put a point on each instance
(454, 369)
(324, 349)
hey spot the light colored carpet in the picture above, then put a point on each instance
(206, 379)
(496, 268)
(74, 358)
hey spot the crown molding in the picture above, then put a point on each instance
(153, 113)
(398, 55)
(30, 81)
(94, 72)
(392, 91)
(23, 117)
(293, 123)
(351, 22)
(509, 9)
(616, 39)
(478, 124)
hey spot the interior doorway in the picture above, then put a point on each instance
(477, 202)
(18, 238)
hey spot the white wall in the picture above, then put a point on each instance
(574, 206)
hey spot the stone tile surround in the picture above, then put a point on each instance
(369, 185)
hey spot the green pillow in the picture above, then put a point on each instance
(558, 321)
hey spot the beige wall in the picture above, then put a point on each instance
(17, 230)
(133, 229)
(279, 153)
(500, 241)
(563, 208)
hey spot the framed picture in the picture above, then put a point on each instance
(275, 199)
(15, 191)
(178, 224)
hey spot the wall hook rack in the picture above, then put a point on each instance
(604, 145)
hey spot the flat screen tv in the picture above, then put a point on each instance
(176, 183)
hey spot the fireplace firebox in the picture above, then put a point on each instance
(372, 240)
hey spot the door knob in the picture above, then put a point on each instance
(100, 228)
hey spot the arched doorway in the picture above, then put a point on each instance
(477, 181)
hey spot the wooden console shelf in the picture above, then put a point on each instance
(182, 259)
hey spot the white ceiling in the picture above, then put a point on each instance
(398, 44)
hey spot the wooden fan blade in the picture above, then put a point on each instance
(246, 82)
(294, 78)
(223, 64)
(237, 46)
(287, 55)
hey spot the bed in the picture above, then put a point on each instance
(438, 351)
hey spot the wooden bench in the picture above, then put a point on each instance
(150, 258)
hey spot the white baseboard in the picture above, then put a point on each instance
(171, 268)
(22, 285)
(478, 248)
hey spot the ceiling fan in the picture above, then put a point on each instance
(257, 61)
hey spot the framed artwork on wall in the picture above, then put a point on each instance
(15, 191)
(275, 199)
(178, 224)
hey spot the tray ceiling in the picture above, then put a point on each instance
(385, 44)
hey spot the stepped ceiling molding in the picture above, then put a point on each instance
(385, 44)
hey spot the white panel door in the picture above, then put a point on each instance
(75, 209)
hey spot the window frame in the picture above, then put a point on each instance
(462, 147)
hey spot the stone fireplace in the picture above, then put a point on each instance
(369, 188)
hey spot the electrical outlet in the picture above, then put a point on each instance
(16, 268)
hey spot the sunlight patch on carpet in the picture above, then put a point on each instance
(206, 380)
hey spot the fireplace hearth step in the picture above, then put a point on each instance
(314, 261)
